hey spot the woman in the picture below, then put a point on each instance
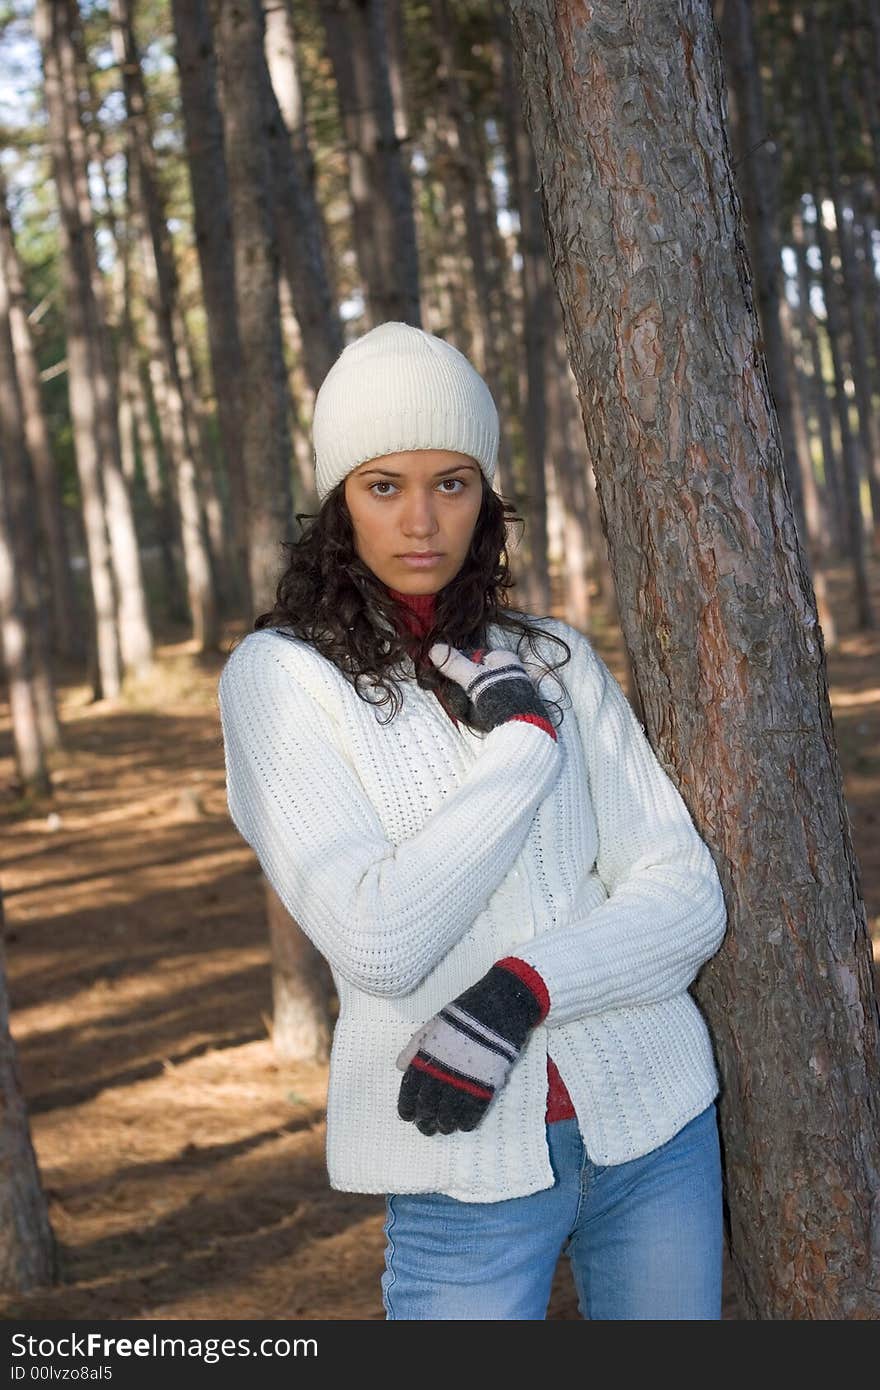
(509, 890)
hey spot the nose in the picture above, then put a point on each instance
(419, 519)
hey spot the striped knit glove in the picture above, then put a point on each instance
(497, 684)
(454, 1063)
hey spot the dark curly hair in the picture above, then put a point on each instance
(330, 598)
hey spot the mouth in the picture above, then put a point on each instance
(421, 559)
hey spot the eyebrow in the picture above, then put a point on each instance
(386, 472)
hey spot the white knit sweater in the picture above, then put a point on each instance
(417, 853)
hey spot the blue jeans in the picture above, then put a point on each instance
(645, 1238)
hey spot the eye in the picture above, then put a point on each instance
(460, 482)
(383, 482)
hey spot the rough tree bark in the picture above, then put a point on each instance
(625, 109)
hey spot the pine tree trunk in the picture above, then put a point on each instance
(206, 162)
(566, 449)
(538, 317)
(67, 616)
(134, 635)
(757, 183)
(266, 437)
(301, 243)
(28, 1255)
(279, 39)
(464, 174)
(84, 361)
(384, 233)
(209, 494)
(301, 248)
(815, 519)
(302, 988)
(815, 46)
(443, 280)
(160, 287)
(300, 1022)
(855, 530)
(29, 750)
(116, 307)
(165, 518)
(22, 509)
(644, 226)
(866, 227)
(834, 501)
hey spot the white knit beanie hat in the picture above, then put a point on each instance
(398, 388)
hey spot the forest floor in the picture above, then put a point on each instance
(184, 1168)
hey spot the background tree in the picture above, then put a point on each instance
(28, 1256)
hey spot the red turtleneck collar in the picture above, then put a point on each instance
(417, 610)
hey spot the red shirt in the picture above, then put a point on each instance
(417, 613)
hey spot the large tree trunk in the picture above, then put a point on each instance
(86, 366)
(384, 233)
(641, 211)
(206, 162)
(28, 1255)
(300, 1023)
(67, 616)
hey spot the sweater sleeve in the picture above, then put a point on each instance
(383, 915)
(665, 913)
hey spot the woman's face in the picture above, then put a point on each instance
(416, 501)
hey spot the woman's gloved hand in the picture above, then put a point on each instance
(497, 684)
(454, 1063)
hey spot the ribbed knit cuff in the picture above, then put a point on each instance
(531, 979)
